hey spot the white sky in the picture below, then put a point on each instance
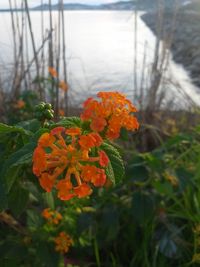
(32, 3)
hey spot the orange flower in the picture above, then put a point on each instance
(52, 217)
(88, 171)
(100, 178)
(63, 242)
(53, 72)
(73, 131)
(46, 213)
(46, 182)
(65, 188)
(40, 161)
(46, 140)
(20, 104)
(103, 159)
(109, 115)
(94, 175)
(56, 159)
(90, 140)
(62, 85)
(57, 130)
(61, 112)
(97, 139)
(83, 190)
(98, 124)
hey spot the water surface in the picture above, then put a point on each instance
(100, 49)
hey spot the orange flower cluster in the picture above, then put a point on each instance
(52, 217)
(53, 72)
(70, 161)
(110, 115)
(61, 84)
(63, 242)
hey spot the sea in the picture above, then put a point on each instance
(105, 51)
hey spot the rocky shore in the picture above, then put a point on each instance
(185, 44)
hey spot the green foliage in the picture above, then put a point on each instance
(69, 122)
(146, 219)
(115, 169)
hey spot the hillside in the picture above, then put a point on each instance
(129, 5)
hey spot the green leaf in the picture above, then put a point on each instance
(154, 160)
(110, 173)
(177, 140)
(30, 125)
(34, 220)
(186, 178)
(18, 199)
(69, 122)
(116, 161)
(109, 222)
(142, 207)
(124, 134)
(137, 173)
(49, 200)
(84, 221)
(3, 197)
(169, 241)
(164, 188)
(13, 164)
(47, 255)
(10, 177)
(5, 129)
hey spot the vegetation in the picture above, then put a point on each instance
(149, 218)
(109, 187)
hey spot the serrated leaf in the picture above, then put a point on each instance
(69, 122)
(110, 173)
(116, 161)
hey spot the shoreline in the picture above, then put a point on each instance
(185, 43)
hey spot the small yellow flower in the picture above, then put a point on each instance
(196, 229)
(27, 240)
(171, 178)
(196, 257)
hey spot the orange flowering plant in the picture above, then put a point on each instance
(73, 159)
(47, 166)
(70, 157)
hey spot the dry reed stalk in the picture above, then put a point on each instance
(135, 55)
(34, 47)
(51, 53)
(42, 38)
(64, 57)
(33, 59)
